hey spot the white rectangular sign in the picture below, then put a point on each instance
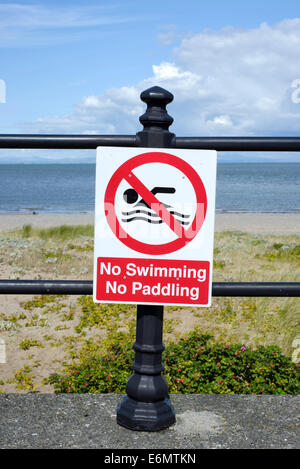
(154, 226)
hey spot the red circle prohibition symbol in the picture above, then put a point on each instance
(184, 236)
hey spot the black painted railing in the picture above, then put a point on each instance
(85, 287)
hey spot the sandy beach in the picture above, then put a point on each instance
(272, 223)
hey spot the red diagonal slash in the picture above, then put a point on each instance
(155, 204)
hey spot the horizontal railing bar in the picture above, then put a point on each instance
(85, 287)
(240, 143)
(48, 141)
(46, 287)
(78, 142)
(291, 289)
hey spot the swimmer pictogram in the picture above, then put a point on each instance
(131, 197)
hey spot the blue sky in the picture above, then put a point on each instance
(79, 67)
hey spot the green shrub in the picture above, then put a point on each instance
(193, 365)
(196, 365)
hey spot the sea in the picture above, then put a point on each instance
(70, 188)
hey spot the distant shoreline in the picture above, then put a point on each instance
(220, 161)
(272, 223)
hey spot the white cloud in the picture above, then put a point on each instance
(221, 120)
(168, 35)
(228, 82)
(115, 111)
(29, 25)
(248, 75)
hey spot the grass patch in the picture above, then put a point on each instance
(26, 344)
(23, 380)
(104, 316)
(280, 251)
(62, 233)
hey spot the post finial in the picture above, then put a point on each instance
(156, 120)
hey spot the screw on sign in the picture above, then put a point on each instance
(159, 208)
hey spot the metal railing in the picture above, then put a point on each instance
(85, 287)
(147, 406)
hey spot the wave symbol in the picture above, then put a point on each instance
(152, 217)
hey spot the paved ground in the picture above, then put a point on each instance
(203, 422)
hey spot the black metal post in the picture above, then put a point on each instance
(147, 406)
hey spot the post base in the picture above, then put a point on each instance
(145, 416)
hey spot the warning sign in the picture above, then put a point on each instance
(154, 226)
